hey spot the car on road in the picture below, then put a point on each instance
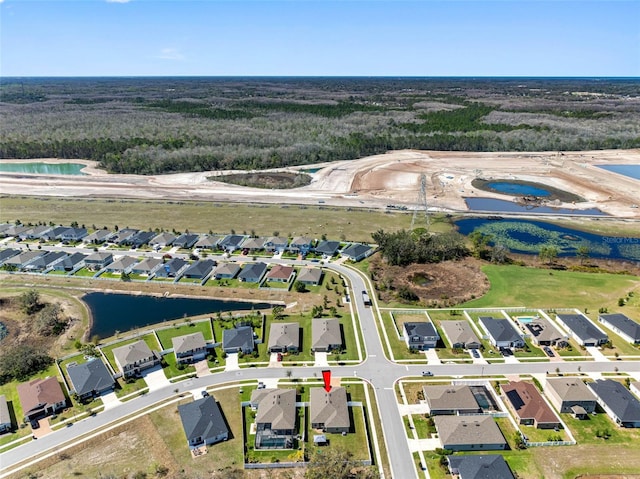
(427, 373)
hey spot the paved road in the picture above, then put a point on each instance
(381, 373)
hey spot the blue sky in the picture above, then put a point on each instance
(359, 37)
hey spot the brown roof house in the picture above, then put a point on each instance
(189, 348)
(325, 334)
(41, 397)
(469, 433)
(569, 395)
(329, 410)
(275, 419)
(284, 337)
(528, 405)
(281, 273)
(133, 358)
(451, 400)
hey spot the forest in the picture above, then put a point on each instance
(164, 125)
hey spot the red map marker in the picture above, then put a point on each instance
(326, 376)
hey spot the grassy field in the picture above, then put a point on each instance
(541, 288)
(353, 224)
(165, 335)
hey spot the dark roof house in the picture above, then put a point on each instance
(231, 242)
(238, 339)
(616, 400)
(71, 262)
(5, 417)
(357, 251)
(172, 268)
(490, 466)
(327, 248)
(252, 272)
(420, 335)
(200, 269)
(622, 325)
(203, 422)
(90, 379)
(582, 329)
(502, 332)
(185, 240)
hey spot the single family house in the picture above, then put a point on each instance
(450, 400)
(310, 276)
(569, 394)
(460, 335)
(275, 417)
(528, 405)
(134, 358)
(226, 271)
(622, 325)
(616, 400)
(420, 335)
(580, 328)
(469, 433)
(90, 379)
(284, 337)
(501, 332)
(357, 251)
(329, 410)
(203, 422)
(239, 339)
(326, 335)
(189, 348)
(41, 397)
(252, 272)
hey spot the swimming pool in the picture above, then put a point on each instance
(526, 319)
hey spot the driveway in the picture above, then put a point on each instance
(232, 362)
(155, 378)
(44, 429)
(110, 400)
(273, 361)
(432, 356)
(321, 360)
(597, 355)
(202, 368)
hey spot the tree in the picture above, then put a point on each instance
(479, 242)
(300, 287)
(583, 253)
(21, 361)
(499, 253)
(30, 301)
(337, 464)
(49, 321)
(316, 311)
(548, 254)
(278, 312)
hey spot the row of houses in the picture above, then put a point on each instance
(228, 243)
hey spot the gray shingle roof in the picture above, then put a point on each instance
(490, 466)
(582, 327)
(310, 275)
(325, 333)
(356, 250)
(202, 419)
(570, 389)
(132, 353)
(277, 407)
(89, 377)
(464, 430)
(459, 332)
(623, 323)
(5, 417)
(329, 408)
(327, 247)
(253, 271)
(200, 268)
(284, 335)
(241, 337)
(500, 329)
(423, 328)
(441, 397)
(227, 269)
(188, 342)
(623, 404)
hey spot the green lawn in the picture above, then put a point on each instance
(533, 352)
(171, 369)
(585, 431)
(424, 426)
(85, 273)
(531, 287)
(165, 335)
(124, 388)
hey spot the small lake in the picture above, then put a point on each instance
(504, 206)
(113, 312)
(43, 168)
(525, 236)
(632, 171)
(517, 189)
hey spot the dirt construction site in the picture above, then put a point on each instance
(391, 179)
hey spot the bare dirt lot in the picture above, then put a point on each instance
(376, 181)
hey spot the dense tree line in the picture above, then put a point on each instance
(404, 247)
(151, 126)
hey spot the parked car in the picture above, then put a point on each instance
(427, 373)
(549, 351)
(205, 394)
(35, 424)
(475, 353)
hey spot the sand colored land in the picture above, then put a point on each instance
(375, 181)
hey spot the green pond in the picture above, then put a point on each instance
(43, 168)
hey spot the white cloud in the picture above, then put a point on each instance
(115, 1)
(170, 54)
